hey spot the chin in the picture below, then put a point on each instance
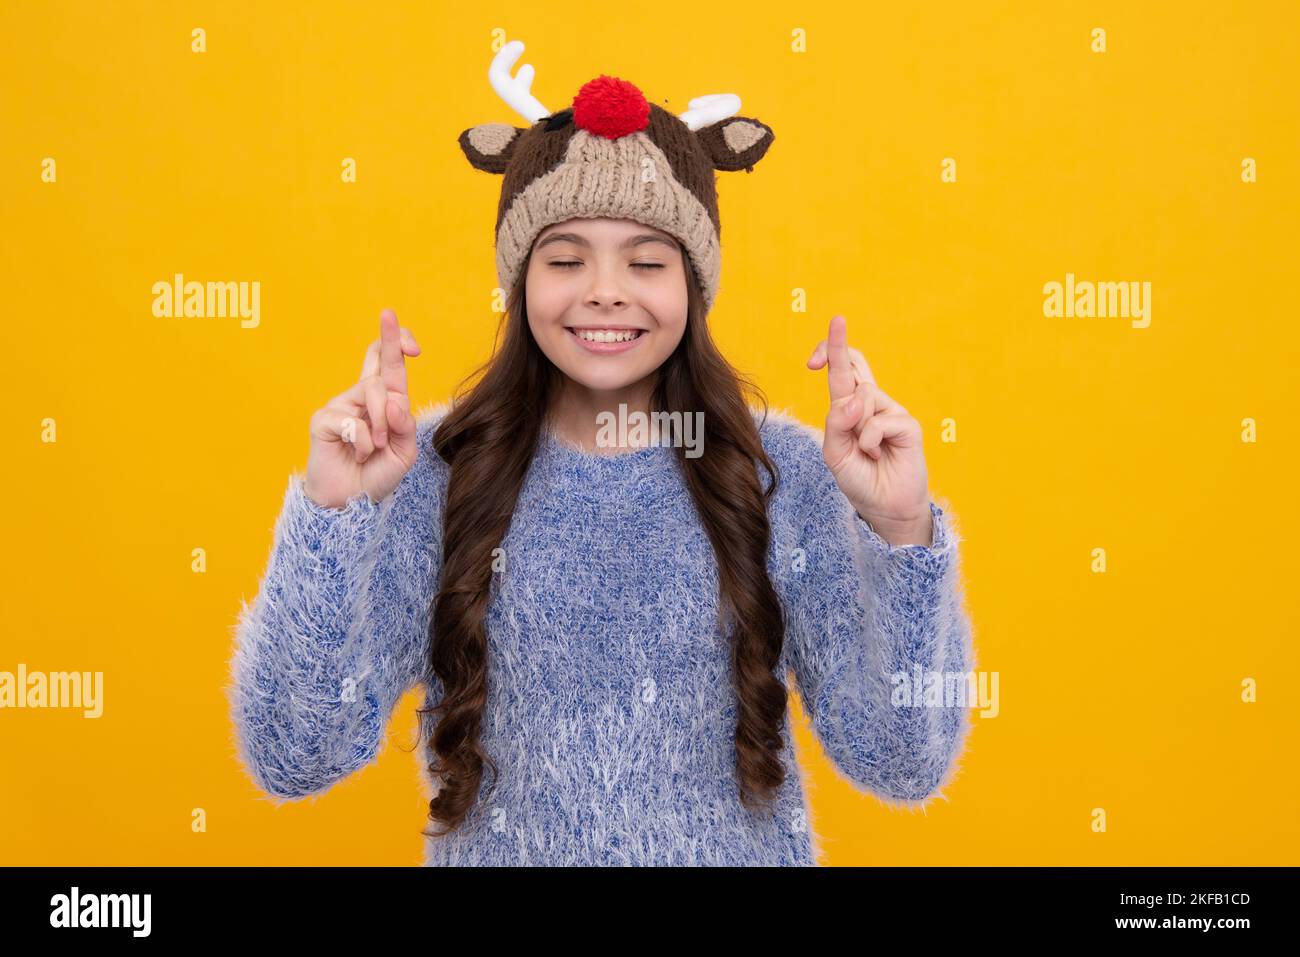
(606, 383)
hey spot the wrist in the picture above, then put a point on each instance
(916, 530)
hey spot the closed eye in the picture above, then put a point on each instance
(565, 264)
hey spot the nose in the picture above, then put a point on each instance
(606, 290)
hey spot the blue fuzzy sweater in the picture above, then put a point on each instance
(610, 712)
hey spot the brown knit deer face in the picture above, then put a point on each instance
(611, 154)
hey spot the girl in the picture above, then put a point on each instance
(605, 634)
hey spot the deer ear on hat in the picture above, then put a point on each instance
(489, 146)
(736, 143)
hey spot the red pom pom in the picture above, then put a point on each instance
(610, 107)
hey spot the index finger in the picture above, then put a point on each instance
(862, 368)
(392, 365)
(840, 364)
(370, 364)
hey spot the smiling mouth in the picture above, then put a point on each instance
(613, 335)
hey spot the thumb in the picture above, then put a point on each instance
(841, 430)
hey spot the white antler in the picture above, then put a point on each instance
(711, 108)
(515, 89)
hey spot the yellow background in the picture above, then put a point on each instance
(1119, 691)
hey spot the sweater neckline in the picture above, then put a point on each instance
(646, 471)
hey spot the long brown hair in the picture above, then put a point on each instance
(489, 438)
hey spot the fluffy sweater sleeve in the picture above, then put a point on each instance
(338, 631)
(867, 618)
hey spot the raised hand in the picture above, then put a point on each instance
(872, 445)
(364, 438)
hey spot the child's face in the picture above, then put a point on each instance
(604, 274)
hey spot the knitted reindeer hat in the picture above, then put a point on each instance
(611, 154)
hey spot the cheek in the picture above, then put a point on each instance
(670, 328)
(546, 300)
(670, 337)
(669, 306)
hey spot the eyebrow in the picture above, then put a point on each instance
(631, 241)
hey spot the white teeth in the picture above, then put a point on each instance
(604, 335)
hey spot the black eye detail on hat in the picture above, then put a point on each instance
(558, 120)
